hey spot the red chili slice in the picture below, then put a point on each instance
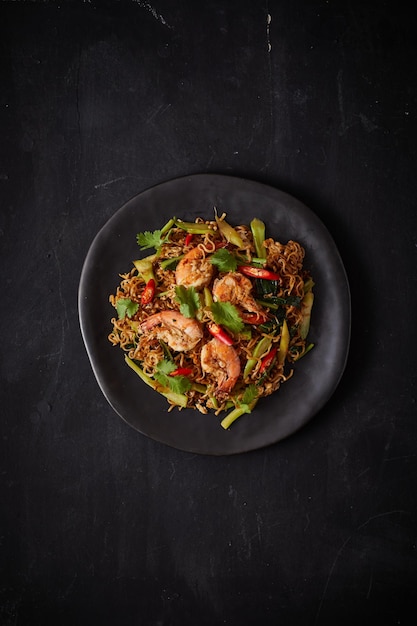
(188, 239)
(220, 334)
(268, 359)
(253, 318)
(181, 371)
(148, 293)
(258, 272)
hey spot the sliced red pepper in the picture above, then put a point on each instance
(181, 371)
(220, 334)
(148, 293)
(268, 359)
(188, 239)
(253, 318)
(258, 272)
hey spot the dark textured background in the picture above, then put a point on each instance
(99, 101)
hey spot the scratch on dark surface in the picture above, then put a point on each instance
(370, 586)
(339, 552)
(109, 182)
(158, 111)
(271, 91)
(340, 102)
(268, 38)
(153, 11)
(77, 95)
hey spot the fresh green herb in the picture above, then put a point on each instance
(177, 384)
(224, 260)
(126, 308)
(265, 288)
(189, 300)
(149, 239)
(179, 399)
(244, 405)
(251, 393)
(226, 314)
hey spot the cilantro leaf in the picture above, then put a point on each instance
(126, 308)
(189, 300)
(224, 260)
(178, 384)
(166, 367)
(251, 393)
(226, 314)
(149, 239)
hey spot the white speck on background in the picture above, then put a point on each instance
(268, 39)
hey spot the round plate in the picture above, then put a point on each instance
(316, 375)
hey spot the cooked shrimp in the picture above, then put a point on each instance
(194, 269)
(222, 362)
(236, 289)
(178, 331)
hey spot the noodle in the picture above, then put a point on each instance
(270, 314)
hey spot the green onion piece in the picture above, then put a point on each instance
(208, 298)
(308, 285)
(235, 413)
(306, 306)
(193, 227)
(168, 226)
(258, 232)
(284, 342)
(145, 267)
(266, 303)
(168, 263)
(179, 399)
(260, 349)
(199, 387)
(230, 234)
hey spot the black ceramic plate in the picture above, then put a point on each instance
(316, 375)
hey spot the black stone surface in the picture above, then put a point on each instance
(100, 524)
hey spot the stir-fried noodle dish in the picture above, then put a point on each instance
(216, 317)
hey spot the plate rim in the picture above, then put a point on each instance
(222, 179)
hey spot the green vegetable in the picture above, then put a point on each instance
(193, 227)
(165, 229)
(308, 285)
(188, 299)
(176, 398)
(245, 405)
(284, 343)
(177, 384)
(145, 267)
(171, 263)
(208, 298)
(150, 239)
(306, 306)
(224, 260)
(258, 233)
(260, 349)
(155, 238)
(230, 234)
(226, 314)
(126, 308)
